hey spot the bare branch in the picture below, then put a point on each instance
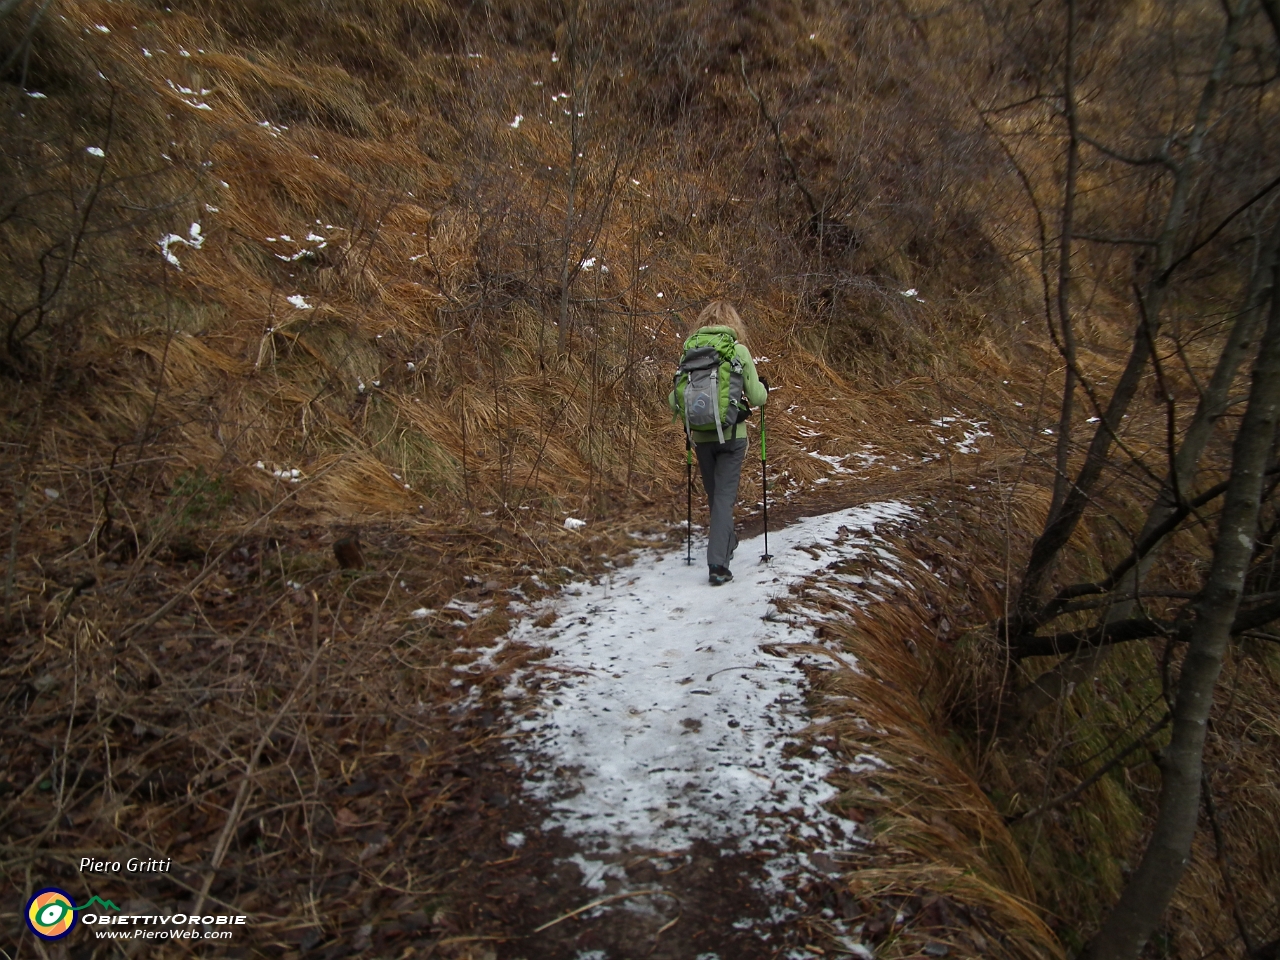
(1161, 158)
(1272, 10)
(24, 44)
(1131, 241)
(1200, 245)
(1094, 777)
(814, 209)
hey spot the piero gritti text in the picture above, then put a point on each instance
(132, 865)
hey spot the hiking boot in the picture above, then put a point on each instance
(719, 575)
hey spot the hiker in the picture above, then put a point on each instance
(718, 363)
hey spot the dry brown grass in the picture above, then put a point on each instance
(937, 836)
(1076, 856)
(409, 250)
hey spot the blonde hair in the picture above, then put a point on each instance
(721, 313)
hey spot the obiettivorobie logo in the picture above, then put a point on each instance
(51, 913)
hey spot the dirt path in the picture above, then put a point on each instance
(660, 764)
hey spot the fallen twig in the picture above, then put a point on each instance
(237, 808)
(604, 900)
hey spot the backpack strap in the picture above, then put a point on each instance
(735, 367)
(715, 379)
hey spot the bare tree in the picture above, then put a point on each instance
(1209, 194)
(1215, 609)
(1150, 302)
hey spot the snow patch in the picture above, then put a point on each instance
(835, 463)
(672, 704)
(292, 474)
(194, 239)
(189, 96)
(971, 432)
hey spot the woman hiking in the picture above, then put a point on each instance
(715, 387)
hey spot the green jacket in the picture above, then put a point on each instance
(754, 391)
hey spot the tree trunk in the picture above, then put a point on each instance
(1061, 525)
(569, 271)
(1053, 684)
(1145, 898)
(1061, 480)
(1058, 530)
(1213, 404)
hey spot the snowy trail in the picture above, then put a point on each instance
(668, 722)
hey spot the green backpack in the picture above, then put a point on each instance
(709, 384)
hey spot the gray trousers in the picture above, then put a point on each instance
(721, 466)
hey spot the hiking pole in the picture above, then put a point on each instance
(764, 488)
(688, 485)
